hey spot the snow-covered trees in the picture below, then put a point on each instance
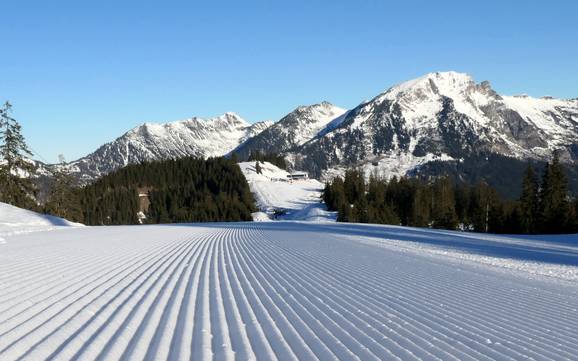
(16, 186)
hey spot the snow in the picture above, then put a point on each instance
(285, 290)
(334, 123)
(539, 111)
(291, 200)
(421, 98)
(14, 220)
(318, 118)
(389, 165)
(260, 217)
(446, 83)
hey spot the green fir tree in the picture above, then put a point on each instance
(16, 170)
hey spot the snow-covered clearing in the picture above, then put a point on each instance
(297, 200)
(284, 290)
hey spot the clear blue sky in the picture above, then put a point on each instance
(81, 73)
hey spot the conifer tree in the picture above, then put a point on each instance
(554, 205)
(258, 169)
(485, 212)
(462, 198)
(64, 198)
(496, 218)
(529, 202)
(15, 170)
(354, 186)
(421, 206)
(574, 217)
(443, 208)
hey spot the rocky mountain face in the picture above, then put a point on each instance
(442, 116)
(192, 137)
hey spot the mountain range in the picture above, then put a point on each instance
(442, 118)
(194, 137)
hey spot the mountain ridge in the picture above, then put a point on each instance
(440, 116)
(198, 137)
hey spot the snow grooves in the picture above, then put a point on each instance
(265, 291)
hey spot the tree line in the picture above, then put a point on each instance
(544, 206)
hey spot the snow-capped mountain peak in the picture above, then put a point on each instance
(423, 97)
(227, 121)
(444, 115)
(308, 121)
(444, 83)
(293, 130)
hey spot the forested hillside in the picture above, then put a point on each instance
(182, 190)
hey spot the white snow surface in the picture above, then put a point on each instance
(14, 220)
(286, 291)
(299, 199)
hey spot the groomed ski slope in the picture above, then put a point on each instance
(283, 290)
(299, 200)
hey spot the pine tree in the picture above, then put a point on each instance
(258, 169)
(574, 217)
(554, 205)
(529, 202)
(461, 195)
(354, 186)
(15, 171)
(486, 209)
(63, 199)
(421, 206)
(443, 208)
(496, 217)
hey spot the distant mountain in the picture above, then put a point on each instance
(442, 116)
(294, 129)
(192, 137)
